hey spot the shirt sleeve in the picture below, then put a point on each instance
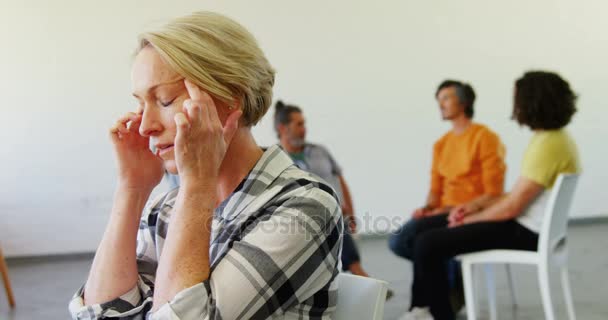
(136, 302)
(335, 167)
(493, 167)
(436, 178)
(281, 261)
(540, 163)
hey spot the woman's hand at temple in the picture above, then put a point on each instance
(138, 167)
(201, 141)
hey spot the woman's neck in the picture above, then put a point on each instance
(241, 156)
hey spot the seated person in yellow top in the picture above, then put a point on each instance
(545, 103)
(468, 165)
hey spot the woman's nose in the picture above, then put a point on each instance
(150, 124)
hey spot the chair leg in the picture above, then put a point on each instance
(511, 285)
(567, 293)
(469, 295)
(477, 287)
(544, 283)
(491, 286)
(7, 282)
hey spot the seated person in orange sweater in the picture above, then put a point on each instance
(545, 103)
(468, 167)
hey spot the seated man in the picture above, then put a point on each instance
(291, 130)
(467, 172)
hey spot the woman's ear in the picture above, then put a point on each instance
(235, 104)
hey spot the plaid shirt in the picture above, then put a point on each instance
(274, 253)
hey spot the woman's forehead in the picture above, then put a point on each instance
(149, 71)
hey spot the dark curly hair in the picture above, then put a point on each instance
(465, 93)
(543, 101)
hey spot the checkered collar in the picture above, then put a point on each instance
(257, 185)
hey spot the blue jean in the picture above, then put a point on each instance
(402, 244)
(350, 254)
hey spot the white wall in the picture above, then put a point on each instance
(364, 71)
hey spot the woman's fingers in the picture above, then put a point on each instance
(208, 109)
(451, 218)
(114, 134)
(134, 124)
(183, 126)
(194, 105)
(193, 90)
(211, 109)
(122, 122)
(120, 127)
(127, 123)
(199, 126)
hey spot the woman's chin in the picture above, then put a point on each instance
(170, 166)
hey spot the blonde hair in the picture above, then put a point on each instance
(219, 55)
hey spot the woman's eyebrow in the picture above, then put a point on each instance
(156, 86)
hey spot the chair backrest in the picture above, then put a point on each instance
(360, 298)
(552, 236)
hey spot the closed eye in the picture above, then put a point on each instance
(168, 103)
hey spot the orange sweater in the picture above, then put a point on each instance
(467, 165)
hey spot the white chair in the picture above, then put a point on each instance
(552, 253)
(491, 288)
(360, 298)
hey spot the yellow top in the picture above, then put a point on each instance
(549, 154)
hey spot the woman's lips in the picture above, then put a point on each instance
(164, 150)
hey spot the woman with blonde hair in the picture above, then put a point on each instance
(247, 235)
